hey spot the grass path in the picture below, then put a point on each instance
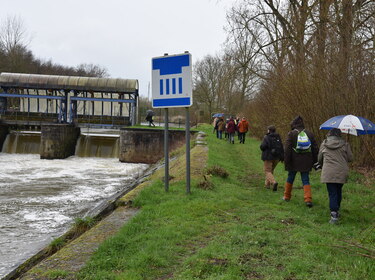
(239, 230)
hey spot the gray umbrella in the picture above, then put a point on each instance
(150, 113)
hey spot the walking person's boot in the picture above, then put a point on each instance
(334, 217)
(287, 191)
(307, 195)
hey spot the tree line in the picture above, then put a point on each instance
(313, 58)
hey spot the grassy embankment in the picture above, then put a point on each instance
(240, 230)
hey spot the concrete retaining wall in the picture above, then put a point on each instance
(4, 130)
(58, 141)
(147, 145)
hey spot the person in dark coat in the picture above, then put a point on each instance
(299, 161)
(150, 119)
(334, 155)
(272, 153)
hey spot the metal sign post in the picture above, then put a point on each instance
(172, 87)
(187, 137)
(166, 151)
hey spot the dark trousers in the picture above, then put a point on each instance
(305, 178)
(220, 134)
(335, 196)
(242, 136)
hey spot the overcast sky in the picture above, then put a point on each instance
(120, 35)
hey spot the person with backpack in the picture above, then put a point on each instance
(334, 155)
(220, 127)
(300, 154)
(272, 153)
(243, 127)
(231, 129)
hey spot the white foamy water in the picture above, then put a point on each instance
(39, 199)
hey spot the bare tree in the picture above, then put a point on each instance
(13, 44)
(12, 34)
(312, 57)
(91, 70)
(206, 82)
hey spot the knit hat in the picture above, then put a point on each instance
(297, 123)
(334, 132)
(271, 128)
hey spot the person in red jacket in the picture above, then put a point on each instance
(243, 128)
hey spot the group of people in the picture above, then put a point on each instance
(230, 127)
(301, 154)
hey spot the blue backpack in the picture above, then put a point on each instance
(303, 143)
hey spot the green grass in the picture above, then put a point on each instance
(56, 245)
(158, 127)
(239, 229)
(81, 225)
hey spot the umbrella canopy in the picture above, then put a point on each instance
(150, 113)
(218, 115)
(350, 124)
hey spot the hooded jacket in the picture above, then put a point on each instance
(220, 125)
(231, 126)
(334, 155)
(300, 162)
(243, 126)
(265, 146)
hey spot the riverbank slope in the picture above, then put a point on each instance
(237, 229)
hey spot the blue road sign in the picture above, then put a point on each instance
(172, 81)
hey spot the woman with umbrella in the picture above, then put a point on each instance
(334, 155)
(150, 117)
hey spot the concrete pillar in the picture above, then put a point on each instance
(139, 145)
(58, 141)
(4, 130)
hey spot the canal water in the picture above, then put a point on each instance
(39, 199)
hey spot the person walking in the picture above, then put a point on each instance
(220, 127)
(150, 119)
(272, 153)
(243, 128)
(237, 122)
(216, 120)
(231, 129)
(300, 154)
(334, 155)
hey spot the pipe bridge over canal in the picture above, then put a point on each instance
(30, 99)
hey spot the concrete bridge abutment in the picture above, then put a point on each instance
(139, 145)
(58, 141)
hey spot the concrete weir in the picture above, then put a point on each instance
(58, 141)
(138, 145)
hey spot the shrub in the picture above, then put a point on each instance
(205, 184)
(218, 171)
